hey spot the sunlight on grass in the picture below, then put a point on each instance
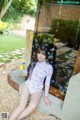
(10, 42)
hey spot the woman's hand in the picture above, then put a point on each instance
(47, 101)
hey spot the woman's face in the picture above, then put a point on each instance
(41, 56)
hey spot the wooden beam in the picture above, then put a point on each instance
(28, 47)
(77, 64)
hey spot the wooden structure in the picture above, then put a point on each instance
(77, 64)
(28, 47)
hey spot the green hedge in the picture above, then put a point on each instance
(66, 31)
(41, 39)
(38, 40)
(47, 38)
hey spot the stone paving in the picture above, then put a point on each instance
(63, 50)
(10, 56)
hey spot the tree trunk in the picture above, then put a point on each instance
(5, 8)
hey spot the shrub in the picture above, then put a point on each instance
(66, 31)
(3, 26)
(38, 40)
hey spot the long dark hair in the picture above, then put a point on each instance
(47, 49)
(34, 59)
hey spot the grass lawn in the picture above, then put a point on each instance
(10, 42)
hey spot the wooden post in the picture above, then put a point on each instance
(28, 47)
(77, 64)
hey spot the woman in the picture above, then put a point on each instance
(34, 85)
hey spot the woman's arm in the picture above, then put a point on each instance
(47, 84)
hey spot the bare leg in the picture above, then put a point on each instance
(22, 104)
(35, 98)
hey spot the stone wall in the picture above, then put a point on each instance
(53, 11)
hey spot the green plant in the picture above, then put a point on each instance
(18, 8)
(66, 31)
(46, 38)
(38, 40)
(45, 1)
(3, 25)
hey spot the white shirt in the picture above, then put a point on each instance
(41, 71)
